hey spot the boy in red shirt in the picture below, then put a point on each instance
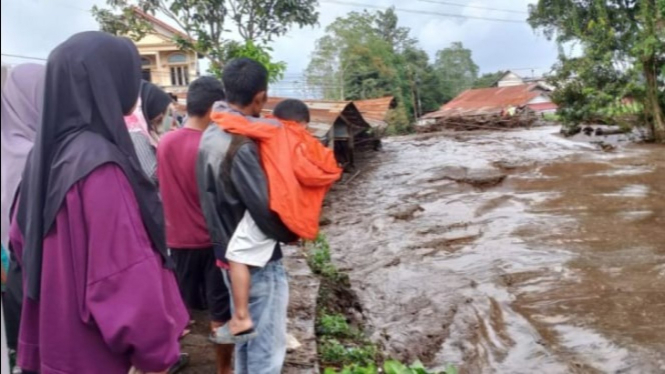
(201, 282)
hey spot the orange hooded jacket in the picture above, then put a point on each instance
(300, 170)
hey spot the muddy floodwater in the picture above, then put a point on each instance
(509, 252)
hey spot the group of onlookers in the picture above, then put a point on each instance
(118, 218)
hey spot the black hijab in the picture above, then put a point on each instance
(154, 101)
(92, 80)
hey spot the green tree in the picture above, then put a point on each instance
(368, 55)
(456, 69)
(204, 24)
(353, 61)
(623, 53)
(488, 79)
(426, 88)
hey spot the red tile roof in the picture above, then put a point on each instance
(488, 100)
(156, 21)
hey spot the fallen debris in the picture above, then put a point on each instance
(524, 118)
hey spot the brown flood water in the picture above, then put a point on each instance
(515, 252)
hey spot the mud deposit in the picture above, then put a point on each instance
(515, 252)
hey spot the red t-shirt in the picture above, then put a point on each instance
(176, 170)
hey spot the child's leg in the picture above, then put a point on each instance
(241, 281)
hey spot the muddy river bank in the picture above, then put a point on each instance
(515, 252)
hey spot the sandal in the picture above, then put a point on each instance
(223, 336)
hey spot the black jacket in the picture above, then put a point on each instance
(232, 181)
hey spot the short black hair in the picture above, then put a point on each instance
(292, 110)
(202, 94)
(244, 78)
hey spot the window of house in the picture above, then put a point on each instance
(179, 69)
(179, 76)
(146, 73)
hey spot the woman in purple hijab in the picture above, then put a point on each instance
(21, 107)
(100, 295)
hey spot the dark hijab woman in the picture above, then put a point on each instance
(154, 105)
(89, 226)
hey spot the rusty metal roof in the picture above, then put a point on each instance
(375, 110)
(488, 101)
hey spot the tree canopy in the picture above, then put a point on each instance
(368, 55)
(622, 46)
(456, 69)
(488, 79)
(205, 22)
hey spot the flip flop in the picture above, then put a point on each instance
(223, 336)
(182, 363)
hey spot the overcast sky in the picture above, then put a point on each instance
(33, 27)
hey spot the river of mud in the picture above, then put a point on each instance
(511, 252)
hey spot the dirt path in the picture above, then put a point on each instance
(510, 252)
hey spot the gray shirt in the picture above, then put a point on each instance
(147, 154)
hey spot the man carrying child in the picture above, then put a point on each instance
(231, 182)
(256, 195)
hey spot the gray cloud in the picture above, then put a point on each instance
(34, 27)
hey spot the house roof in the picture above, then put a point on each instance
(156, 21)
(488, 100)
(375, 110)
(543, 107)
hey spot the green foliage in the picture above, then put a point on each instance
(319, 259)
(261, 54)
(204, 25)
(391, 367)
(333, 352)
(488, 79)
(368, 55)
(623, 52)
(355, 369)
(456, 69)
(334, 325)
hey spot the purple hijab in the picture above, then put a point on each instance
(21, 106)
(92, 81)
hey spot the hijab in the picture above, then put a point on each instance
(154, 101)
(21, 106)
(92, 80)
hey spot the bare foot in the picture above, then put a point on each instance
(240, 325)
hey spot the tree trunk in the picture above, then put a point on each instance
(652, 104)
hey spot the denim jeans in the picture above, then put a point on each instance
(268, 304)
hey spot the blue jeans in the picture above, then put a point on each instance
(268, 304)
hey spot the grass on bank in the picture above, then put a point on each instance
(343, 346)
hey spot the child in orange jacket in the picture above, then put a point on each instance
(300, 171)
